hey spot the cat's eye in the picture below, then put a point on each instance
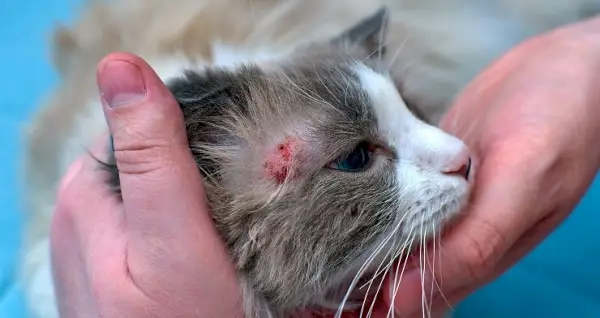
(357, 160)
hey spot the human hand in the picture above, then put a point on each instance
(156, 253)
(522, 152)
(532, 120)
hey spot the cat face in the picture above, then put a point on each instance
(312, 166)
(313, 163)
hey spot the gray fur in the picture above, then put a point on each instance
(294, 244)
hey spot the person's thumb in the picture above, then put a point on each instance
(151, 151)
(172, 241)
(146, 123)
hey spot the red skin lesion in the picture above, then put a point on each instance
(279, 165)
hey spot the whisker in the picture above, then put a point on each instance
(369, 313)
(438, 286)
(381, 37)
(398, 50)
(377, 50)
(432, 267)
(398, 278)
(373, 302)
(359, 274)
(367, 263)
(422, 267)
(370, 283)
(398, 253)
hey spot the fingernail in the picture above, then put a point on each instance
(121, 83)
(408, 295)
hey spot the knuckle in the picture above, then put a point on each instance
(68, 198)
(65, 216)
(144, 141)
(66, 204)
(142, 158)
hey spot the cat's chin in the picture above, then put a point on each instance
(370, 286)
(367, 288)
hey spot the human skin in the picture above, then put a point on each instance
(156, 253)
(531, 120)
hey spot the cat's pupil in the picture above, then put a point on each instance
(356, 160)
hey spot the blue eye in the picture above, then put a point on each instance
(357, 160)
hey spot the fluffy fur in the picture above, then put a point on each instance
(433, 48)
(300, 241)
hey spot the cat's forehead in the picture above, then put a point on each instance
(325, 83)
(322, 73)
(358, 90)
(335, 92)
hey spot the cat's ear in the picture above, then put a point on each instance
(368, 34)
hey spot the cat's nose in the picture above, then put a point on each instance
(461, 165)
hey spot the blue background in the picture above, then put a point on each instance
(559, 279)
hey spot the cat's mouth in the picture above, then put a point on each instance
(400, 258)
(372, 282)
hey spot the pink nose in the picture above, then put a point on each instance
(461, 165)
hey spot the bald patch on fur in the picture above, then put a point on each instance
(280, 163)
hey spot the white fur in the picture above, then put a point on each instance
(425, 152)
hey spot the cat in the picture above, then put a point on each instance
(432, 48)
(315, 169)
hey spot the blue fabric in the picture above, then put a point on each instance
(559, 279)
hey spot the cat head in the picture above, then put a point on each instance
(316, 169)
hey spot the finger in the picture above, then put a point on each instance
(82, 192)
(161, 188)
(163, 197)
(87, 205)
(66, 251)
(81, 223)
(89, 244)
(440, 303)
